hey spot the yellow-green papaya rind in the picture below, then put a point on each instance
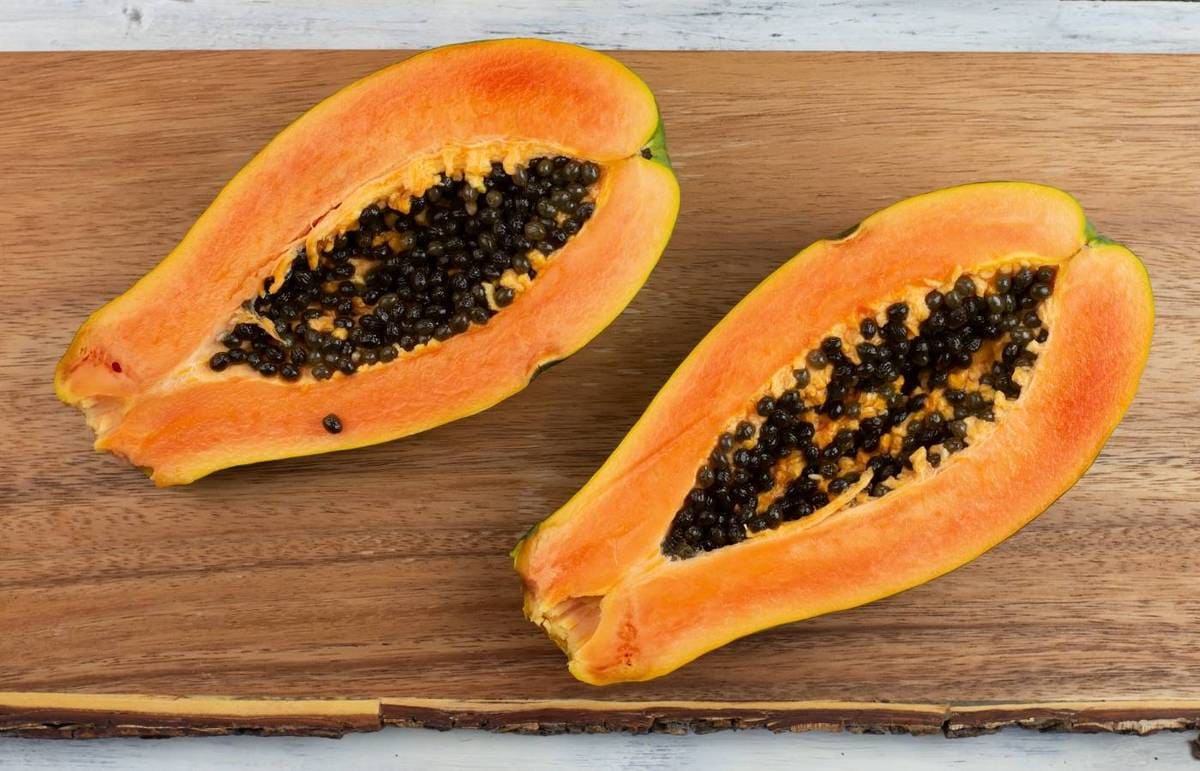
(646, 615)
(125, 367)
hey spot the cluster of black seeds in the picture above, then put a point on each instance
(903, 375)
(399, 280)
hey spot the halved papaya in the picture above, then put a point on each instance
(882, 409)
(410, 251)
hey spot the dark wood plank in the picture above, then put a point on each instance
(383, 573)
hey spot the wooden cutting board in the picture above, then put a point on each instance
(373, 587)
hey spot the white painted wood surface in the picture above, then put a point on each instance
(935, 25)
(864, 25)
(471, 750)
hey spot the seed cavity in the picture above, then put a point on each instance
(395, 280)
(871, 407)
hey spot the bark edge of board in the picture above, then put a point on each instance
(89, 716)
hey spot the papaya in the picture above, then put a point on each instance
(410, 251)
(883, 408)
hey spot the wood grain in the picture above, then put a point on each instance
(382, 573)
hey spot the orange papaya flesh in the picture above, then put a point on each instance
(620, 584)
(359, 191)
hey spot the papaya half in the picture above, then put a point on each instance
(882, 409)
(408, 252)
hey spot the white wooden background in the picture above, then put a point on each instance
(865, 25)
(930, 25)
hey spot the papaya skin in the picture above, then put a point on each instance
(187, 432)
(646, 615)
(130, 367)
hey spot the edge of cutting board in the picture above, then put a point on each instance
(88, 716)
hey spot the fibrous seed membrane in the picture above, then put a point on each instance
(398, 278)
(891, 396)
